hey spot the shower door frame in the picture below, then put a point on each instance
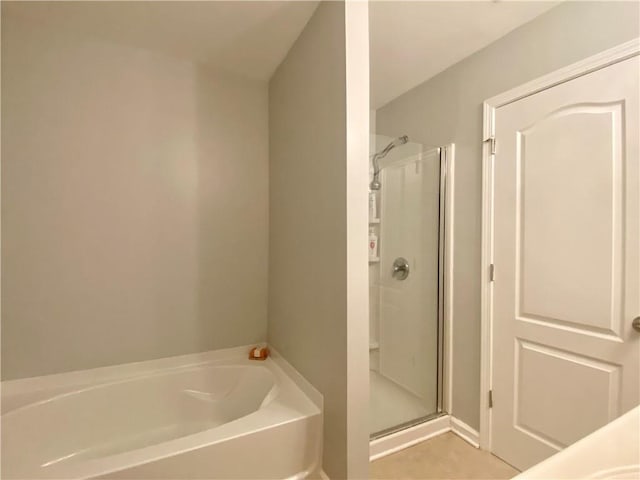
(445, 296)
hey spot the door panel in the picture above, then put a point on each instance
(550, 418)
(558, 270)
(566, 254)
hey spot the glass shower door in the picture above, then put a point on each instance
(405, 377)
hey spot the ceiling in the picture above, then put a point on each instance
(413, 41)
(248, 38)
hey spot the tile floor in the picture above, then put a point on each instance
(444, 457)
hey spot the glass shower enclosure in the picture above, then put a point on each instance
(406, 280)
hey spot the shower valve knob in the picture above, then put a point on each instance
(400, 268)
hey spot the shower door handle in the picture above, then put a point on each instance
(400, 268)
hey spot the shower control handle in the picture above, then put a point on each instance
(400, 268)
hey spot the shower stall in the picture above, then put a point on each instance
(407, 283)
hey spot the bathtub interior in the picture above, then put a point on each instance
(122, 416)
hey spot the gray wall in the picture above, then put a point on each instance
(448, 108)
(134, 205)
(308, 230)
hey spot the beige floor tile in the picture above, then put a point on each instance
(443, 457)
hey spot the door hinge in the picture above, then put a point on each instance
(492, 144)
(492, 272)
(490, 398)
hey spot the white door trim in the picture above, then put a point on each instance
(583, 67)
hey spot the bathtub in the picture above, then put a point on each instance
(214, 415)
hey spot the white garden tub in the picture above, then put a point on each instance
(214, 415)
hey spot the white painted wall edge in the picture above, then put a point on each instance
(397, 441)
(357, 217)
(590, 64)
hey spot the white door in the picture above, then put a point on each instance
(567, 263)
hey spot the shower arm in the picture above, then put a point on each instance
(375, 183)
(376, 164)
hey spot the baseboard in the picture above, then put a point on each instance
(406, 438)
(465, 432)
(395, 442)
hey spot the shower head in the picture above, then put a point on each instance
(396, 142)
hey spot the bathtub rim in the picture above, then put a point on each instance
(26, 391)
(71, 390)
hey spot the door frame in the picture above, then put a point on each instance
(596, 62)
